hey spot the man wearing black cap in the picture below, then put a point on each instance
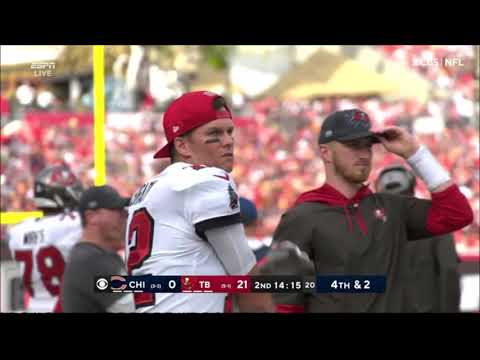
(432, 283)
(347, 230)
(103, 216)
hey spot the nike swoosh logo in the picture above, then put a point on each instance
(224, 177)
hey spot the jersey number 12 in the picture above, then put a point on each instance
(140, 239)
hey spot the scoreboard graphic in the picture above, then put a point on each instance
(241, 284)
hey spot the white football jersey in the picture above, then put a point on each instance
(165, 225)
(41, 246)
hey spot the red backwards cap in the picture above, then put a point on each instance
(188, 112)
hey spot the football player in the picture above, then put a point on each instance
(186, 220)
(42, 245)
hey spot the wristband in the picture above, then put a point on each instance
(428, 168)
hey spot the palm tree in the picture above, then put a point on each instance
(215, 56)
(218, 57)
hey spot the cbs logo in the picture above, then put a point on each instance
(102, 284)
(116, 283)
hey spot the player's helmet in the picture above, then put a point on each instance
(286, 258)
(396, 179)
(56, 187)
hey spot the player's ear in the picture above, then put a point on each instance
(325, 152)
(90, 218)
(182, 147)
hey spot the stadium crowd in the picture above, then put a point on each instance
(275, 142)
(275, 153)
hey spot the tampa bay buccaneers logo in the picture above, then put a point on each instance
(358, 118)
(62, 177)
(380, 214)
(187, 283)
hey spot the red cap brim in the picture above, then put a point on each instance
(164, 152)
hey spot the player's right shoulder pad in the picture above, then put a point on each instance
(192, 175)
(22, 227)
(16, 233)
